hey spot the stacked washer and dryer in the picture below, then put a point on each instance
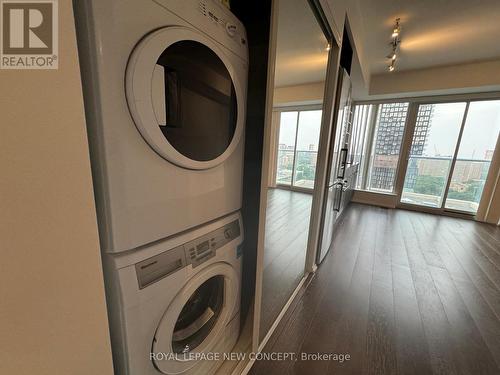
(165, 92)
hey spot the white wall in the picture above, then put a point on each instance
(52, 310)
(337, 11)
(474, 77)
(305, 94)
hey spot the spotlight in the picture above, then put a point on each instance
(391, 56)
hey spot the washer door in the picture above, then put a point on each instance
(196, 318)
(185, 97)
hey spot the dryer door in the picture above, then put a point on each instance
(196, 318)
(185, 97)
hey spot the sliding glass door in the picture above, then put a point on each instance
(450, 155)
(297, 152)
(435, 138)
(474, 156)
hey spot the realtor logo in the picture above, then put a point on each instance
(29, 34)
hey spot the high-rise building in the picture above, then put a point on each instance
(422, 127)
(390, 129)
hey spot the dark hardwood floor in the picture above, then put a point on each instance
(401, 292)
(287, 228)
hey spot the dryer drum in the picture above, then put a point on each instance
(200, 109)
(199, 315)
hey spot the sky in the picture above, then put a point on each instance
(308, 133)
(480, 132)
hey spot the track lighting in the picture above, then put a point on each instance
(396, 40)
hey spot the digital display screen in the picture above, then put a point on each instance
(202, 247)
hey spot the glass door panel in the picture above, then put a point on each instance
(435, 137)
(307, 148)
(474, 156)
(286, 147)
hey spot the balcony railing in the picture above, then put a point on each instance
(426, 179)
(301, 165)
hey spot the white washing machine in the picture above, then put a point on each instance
(165, 93)
(174, 304)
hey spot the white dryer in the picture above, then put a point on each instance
(175, 306)
(165, 93)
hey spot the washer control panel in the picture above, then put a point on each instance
(194, 252)
(204, 247)
(156, 268)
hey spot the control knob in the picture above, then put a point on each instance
(231, 29)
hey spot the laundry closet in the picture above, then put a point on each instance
(216, 144)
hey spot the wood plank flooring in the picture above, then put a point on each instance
(401, 292)
(287, 228)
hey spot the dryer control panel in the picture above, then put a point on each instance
(213, 19)
(194, 252)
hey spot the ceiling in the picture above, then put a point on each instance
(301, 54)
(434, 32)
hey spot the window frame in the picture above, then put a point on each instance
(291, 108)
(369, 144)
(414, 103)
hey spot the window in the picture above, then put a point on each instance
(298, 148)
(449, 152)
(431, 154)
(475, 152)
(377, 136)
(286, 147)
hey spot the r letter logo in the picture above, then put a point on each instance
(29, 34)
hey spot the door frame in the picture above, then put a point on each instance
(405, 157)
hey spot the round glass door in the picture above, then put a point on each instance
(186, 97)
(200, 101)
(196, 318)
(199, 315)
